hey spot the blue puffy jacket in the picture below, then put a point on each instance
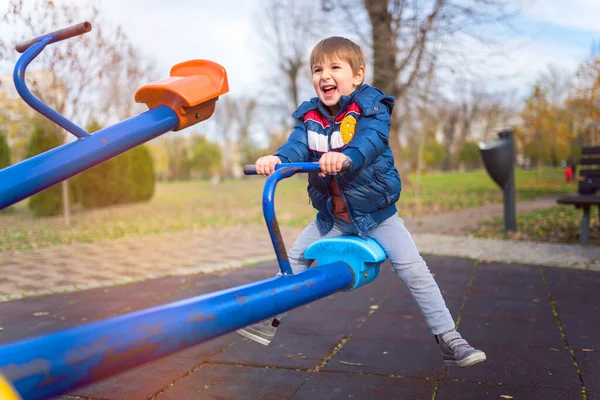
(372, 188)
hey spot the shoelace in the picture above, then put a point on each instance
(453, 340)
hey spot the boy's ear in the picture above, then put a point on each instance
(359, 77)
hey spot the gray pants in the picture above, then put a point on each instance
(402, 252)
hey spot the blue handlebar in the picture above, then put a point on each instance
(300, 167)
(31, 49)
(282, 171)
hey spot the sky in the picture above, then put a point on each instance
(174, 31)
(558, 32)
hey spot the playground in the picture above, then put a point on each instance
(107, 332)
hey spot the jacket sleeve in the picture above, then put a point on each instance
(371, 137)
(296, 147)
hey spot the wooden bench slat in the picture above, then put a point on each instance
(590, 161)
(590, 150)
(589, 173)
(579, 199)
(588, 186)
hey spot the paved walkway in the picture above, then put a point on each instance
(84, 266)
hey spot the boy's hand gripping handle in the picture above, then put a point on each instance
(302, 167)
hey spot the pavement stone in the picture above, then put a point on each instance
(89, 265)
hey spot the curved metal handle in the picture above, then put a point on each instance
(61, 34)
(301, 167)
(282, 171)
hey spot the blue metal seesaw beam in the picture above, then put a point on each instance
(47, 366)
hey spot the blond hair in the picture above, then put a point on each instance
(341, 48)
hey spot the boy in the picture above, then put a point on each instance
(349, 119)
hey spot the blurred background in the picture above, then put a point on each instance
(460, 71)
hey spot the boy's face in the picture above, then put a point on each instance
(332, 79)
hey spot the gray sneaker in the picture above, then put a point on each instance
(261, 332)
(456, 351)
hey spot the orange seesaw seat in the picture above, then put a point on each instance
(191, 91)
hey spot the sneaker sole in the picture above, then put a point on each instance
(251, 336)
(466, 362)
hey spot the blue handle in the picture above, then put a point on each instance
(31, 49)
(300, 167)
(282, 171)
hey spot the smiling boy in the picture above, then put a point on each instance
(351, 120)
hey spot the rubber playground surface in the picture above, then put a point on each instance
(540, 328)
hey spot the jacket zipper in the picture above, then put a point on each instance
(340, 188)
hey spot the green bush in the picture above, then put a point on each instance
(4, 152)
(47, 202)
(470, 155)
(4, 162)
(127, 178)
(142, 177)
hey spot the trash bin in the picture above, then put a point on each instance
(498, 158)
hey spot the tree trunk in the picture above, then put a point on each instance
(66, 202)
(385, 76)
(419, 171)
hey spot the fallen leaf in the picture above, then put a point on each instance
(586, 350)
(40, 313)
(374, 307)
(298, 355)
(385, 352)
(354, 364)
(553, 349)
(505, 396)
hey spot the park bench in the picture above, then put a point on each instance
(588, 188)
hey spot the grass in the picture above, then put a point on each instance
(194, 205)
(561, 224)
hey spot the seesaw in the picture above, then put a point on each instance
(50, 365)
(187, 97)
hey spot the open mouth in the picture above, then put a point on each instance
(328, 90)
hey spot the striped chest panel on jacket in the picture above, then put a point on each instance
(324, 135)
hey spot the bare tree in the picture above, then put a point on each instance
(225, 117)
(76, 72)
(246, 113)
(288, 29)
(407, 37)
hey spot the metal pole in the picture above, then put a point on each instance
(585, 224)
(47, 366)
(509, 191)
